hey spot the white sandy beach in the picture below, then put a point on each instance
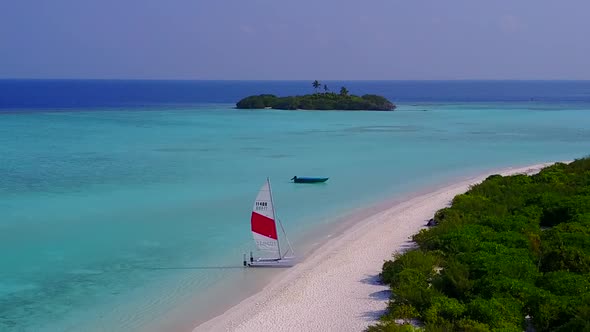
(337, 288)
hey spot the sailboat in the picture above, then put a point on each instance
(264, 230)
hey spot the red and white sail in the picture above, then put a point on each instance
(264, 228)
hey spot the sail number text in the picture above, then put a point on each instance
(261, 206)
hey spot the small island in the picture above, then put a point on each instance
(318, 101)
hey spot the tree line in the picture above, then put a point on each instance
(511, 254)
(316, 85)
(318, 101)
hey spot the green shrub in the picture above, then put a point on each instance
(510, 247)
(421, 261)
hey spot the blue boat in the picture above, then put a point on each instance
(297, 179)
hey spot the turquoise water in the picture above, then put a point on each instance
(111, 218)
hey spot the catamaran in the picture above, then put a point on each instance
(264, 231)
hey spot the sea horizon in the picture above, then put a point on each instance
(46, 94)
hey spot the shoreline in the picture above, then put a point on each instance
(343, 272)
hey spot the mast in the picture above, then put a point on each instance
(274, 215)
(286, 238)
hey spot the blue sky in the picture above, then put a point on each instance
(275, 39)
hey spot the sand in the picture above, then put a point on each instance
(337, 288)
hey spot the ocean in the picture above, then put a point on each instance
(124, 205)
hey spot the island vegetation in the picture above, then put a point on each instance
(319, 100)
(511, 254)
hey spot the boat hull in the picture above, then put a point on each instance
(309, 180)
(284, 262)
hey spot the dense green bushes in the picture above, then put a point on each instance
(318, 101)
(510, 254)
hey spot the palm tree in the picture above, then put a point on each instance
(343, 91)
(326, 88)
(316, 84)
